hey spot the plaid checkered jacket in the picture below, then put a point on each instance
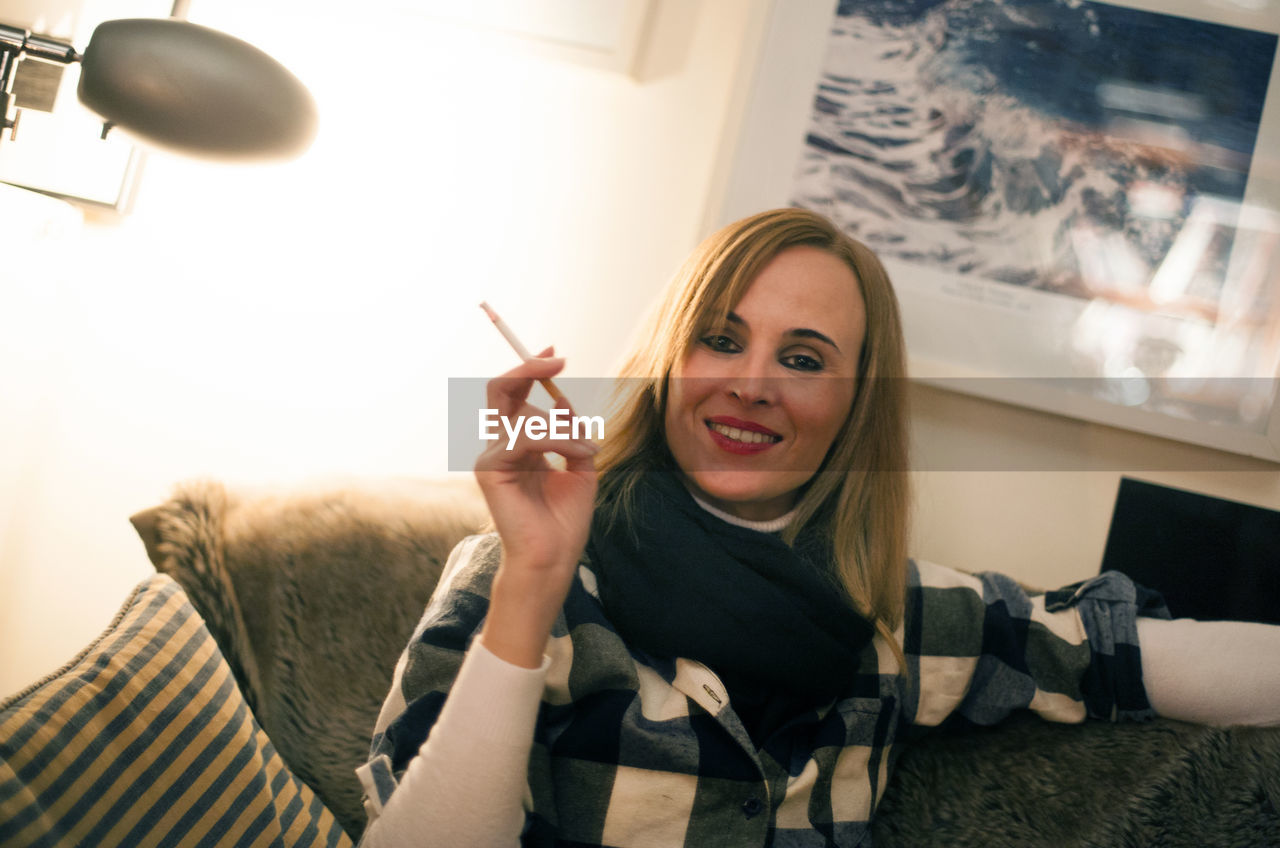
(633, 750)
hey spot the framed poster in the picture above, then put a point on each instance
(1078, 202)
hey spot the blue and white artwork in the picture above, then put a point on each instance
(1017, 141)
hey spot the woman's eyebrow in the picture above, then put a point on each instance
(798, 332)
(806, 333)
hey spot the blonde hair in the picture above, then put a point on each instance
(859, 498)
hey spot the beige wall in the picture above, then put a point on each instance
(276, 324)
(1047, 522)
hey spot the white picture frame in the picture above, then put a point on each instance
(603, 34)
(987, 338)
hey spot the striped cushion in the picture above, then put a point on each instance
(144, 739)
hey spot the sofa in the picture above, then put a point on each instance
(231, 699)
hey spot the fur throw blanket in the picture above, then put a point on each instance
(1027, 782)
(313, 596)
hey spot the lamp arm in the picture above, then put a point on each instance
(50, 49)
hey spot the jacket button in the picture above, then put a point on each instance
(752, 807)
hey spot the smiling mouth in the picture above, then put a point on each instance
(743, 437)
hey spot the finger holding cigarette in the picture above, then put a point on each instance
(516, 446)
(509, 392)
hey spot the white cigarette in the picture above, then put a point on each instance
(522, 352)
(506, 331)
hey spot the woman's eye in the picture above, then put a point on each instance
(802, 362)
(722, 344)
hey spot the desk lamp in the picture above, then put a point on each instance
(175, 85)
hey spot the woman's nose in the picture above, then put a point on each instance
(751, 383)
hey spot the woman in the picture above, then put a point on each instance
(718, 644)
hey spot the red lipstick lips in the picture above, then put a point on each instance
(741, 437)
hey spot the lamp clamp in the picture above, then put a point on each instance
(17, 45)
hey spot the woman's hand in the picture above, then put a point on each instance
(542, 514)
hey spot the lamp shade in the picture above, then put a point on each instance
(194, 90)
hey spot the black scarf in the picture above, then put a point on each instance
(769, 619)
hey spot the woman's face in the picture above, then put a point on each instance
(757, 402)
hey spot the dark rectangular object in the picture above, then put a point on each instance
(1210, 558)
(35, 84)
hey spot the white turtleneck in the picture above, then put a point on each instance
(773, 525)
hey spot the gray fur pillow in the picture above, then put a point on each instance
(312, 597)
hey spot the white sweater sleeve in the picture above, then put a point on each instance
(1212, 672)
(467, 784)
